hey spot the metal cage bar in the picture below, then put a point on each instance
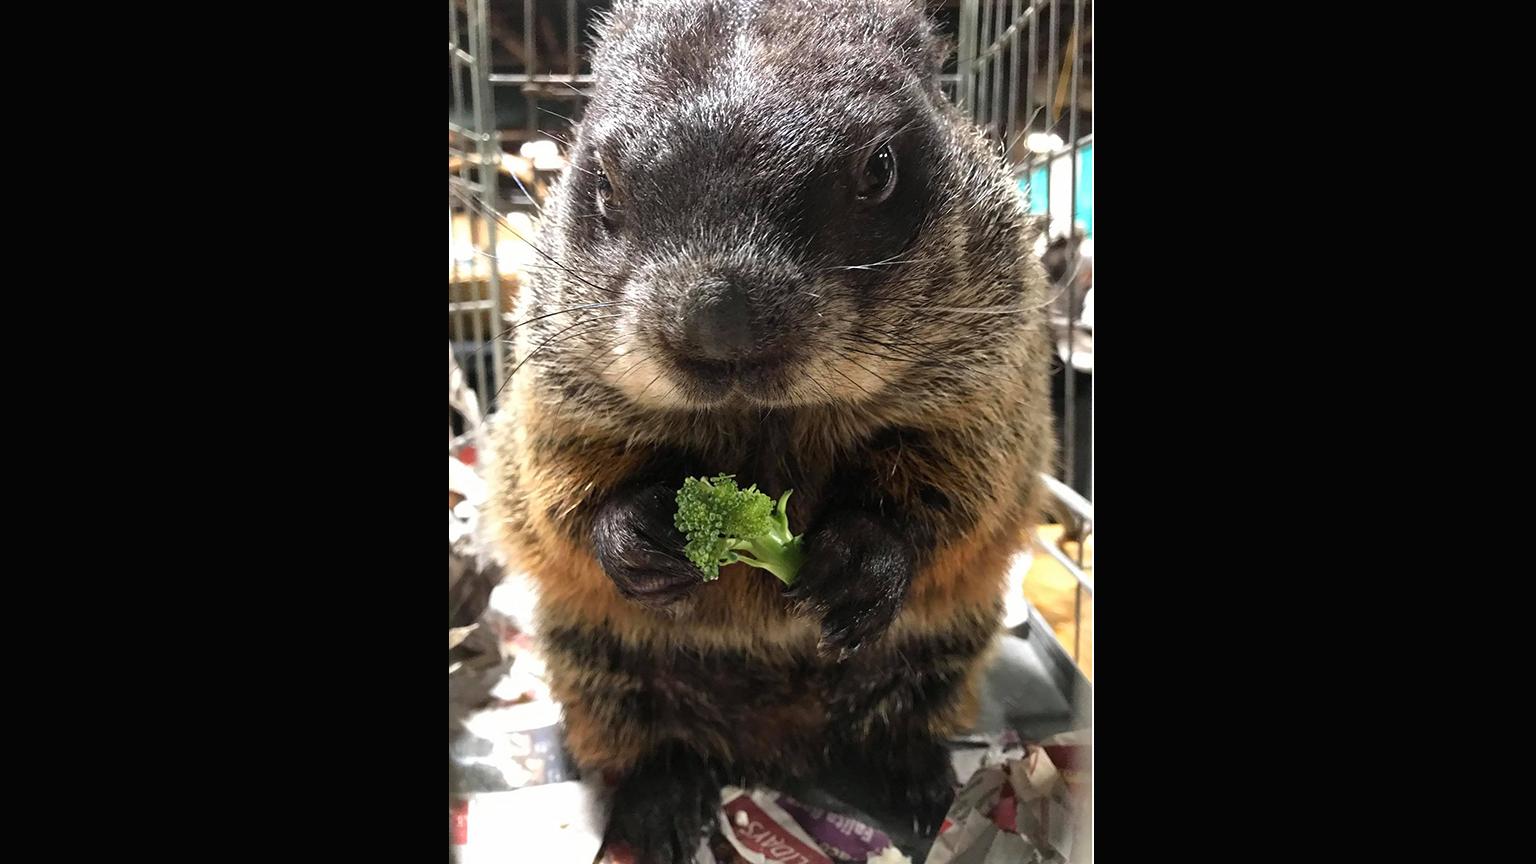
(999, 35)
(490, 175)
(474, 299)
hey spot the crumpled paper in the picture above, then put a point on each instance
(1020, 805)
(767, 827)
(762, 826)
(842, 838)
(551, 823)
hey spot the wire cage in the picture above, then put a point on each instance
(476, 301)
(1021, 69)
(518, 72)
(1025, 75)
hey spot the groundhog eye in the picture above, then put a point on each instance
(604, 189)
(878, 176)
(608, 205)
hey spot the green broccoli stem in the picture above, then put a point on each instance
(769, 553)
(780, 552)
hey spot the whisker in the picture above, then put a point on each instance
(547, 342)
(617, 358)
(529, 195)
(868, 353)
(565, 311)
(1025, 130)
(888, 381)
(625, 373)
(475, 202)
(597, 273)
(601, 347)
(888, 262)
(569, 309)
(532, 354)
(900, 353)
(850, 380)
(910, 341)
(813, 379)
(557, 114)
(648, 386)
(901, 348)
(972, 310)
(900, 129)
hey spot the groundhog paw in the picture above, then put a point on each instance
(856, 573)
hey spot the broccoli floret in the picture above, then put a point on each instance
(722, 522)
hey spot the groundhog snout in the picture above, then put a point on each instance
(717, 325)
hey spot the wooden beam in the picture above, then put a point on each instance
(1064, 80)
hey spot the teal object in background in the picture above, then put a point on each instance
(1037, 186)
(1085, 188)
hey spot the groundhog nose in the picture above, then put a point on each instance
(719, 328)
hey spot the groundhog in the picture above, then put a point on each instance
(779, 252)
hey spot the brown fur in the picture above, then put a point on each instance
(941, 427)
(957, 587)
